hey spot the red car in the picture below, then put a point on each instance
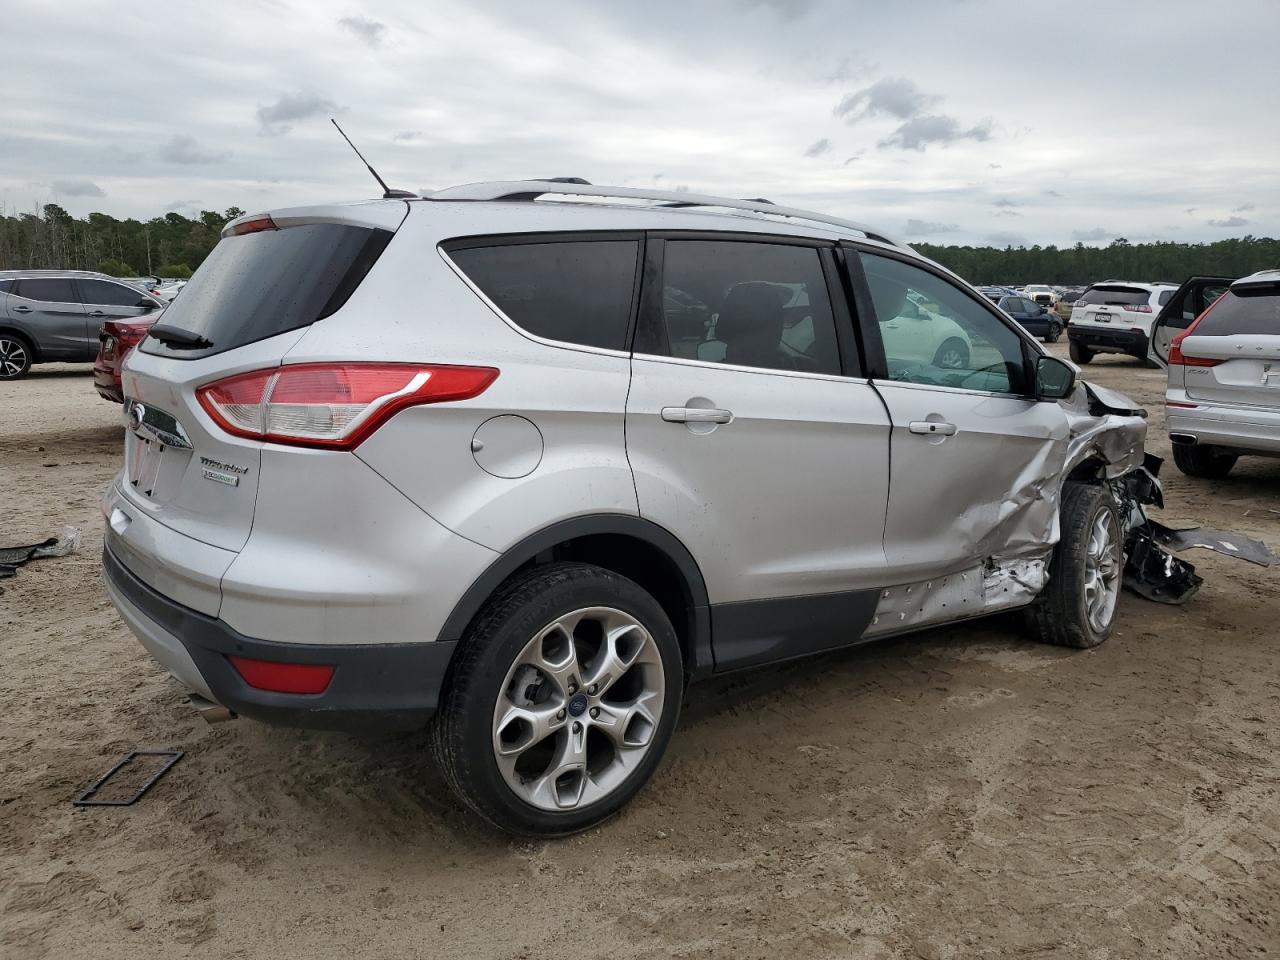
(116, 339)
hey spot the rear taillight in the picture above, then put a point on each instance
(332, 405)
(131, 336)
(1137, 307)
(1080, 303)
(1180, 359)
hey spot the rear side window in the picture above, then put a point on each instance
(255, 286)
(750, 304)
(5, 285)
(110, 294)
(575, 291)
(1166, 296)
(48, 289)
(1116, 296)
(1255, 313)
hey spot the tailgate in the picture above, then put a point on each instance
(1249, 371)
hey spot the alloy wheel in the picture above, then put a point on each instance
(13, 358)
(1102, 571)
(578, 709)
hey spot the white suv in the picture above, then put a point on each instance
(521, 468)
(1115, 317)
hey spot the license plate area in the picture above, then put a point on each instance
(157, 451)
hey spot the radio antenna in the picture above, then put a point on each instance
(387, 192)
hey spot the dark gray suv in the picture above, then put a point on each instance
(49, 316)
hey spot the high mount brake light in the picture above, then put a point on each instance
(256, 225)
(332, 405)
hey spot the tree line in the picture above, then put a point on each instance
(174, 245)
(167, 246)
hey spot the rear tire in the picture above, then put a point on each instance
(1077, 608)
(1208, 462)
(562, 698)
(1080, 354)
(15, 356)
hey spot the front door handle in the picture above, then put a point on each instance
(695, 415)
(934, 427)
(21, 309)
(97, 313)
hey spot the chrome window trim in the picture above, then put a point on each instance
(738, 368)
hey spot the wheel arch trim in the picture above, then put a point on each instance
(698, 657)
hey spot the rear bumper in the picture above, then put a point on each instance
(107, 383)
(374, 686)
(1104, 340)
(1242, 429)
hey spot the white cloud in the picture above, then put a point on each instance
(926, 228)
(184, 149)
(1090, 236)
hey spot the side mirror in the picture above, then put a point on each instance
(1055, 379)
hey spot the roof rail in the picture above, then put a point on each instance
(533, 189)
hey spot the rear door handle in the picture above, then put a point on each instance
(695, 415)
(97, 313)
(21, 309)
(933, 427)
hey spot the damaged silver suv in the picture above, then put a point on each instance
(519, 461)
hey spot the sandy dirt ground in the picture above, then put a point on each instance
(963, 793)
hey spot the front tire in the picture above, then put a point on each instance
(1207, 462)
(15, 356)
(1080, 354)
(1077, 608)
(953, 354)
(1054, 332)
(563, 696)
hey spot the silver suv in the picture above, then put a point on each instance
(54, 315)
(1220, 342)
(521, 460)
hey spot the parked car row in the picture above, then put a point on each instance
(49, 316)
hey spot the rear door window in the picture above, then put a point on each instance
(110, 294)
(749, 304)
(1250, 314)
(257, 285)
(574, 291)
(47, 289)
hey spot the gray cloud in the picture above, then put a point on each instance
(819, 148)
(995, 166)
(1005, 202)
(184, 149)
(78, 188)
(1245, 208)
(366, 30)
(856, 157)
(405, 136)
(1228, 222)
(1090, 236)
(924, 228)
(786, 9)
(920, 132)
(895, 96)
(1007, 239)
(279, 117)
(1052, 193)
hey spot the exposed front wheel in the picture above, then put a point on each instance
(1053, 333)
(952, 355)
(1080, 354)
(15, 356)
(563, 697)
(1209, 462)
(1077, 607)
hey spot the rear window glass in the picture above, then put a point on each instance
(110, 294)
(576, 291)
(1255, 313)
(258, 285)
(48, 289)
(5, 285)
(1116, 296)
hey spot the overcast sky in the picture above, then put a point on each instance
(953, 121)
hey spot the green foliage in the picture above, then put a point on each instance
(116, 268)
(1121, 260)
(172, 245)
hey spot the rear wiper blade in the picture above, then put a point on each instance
(177, 337)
